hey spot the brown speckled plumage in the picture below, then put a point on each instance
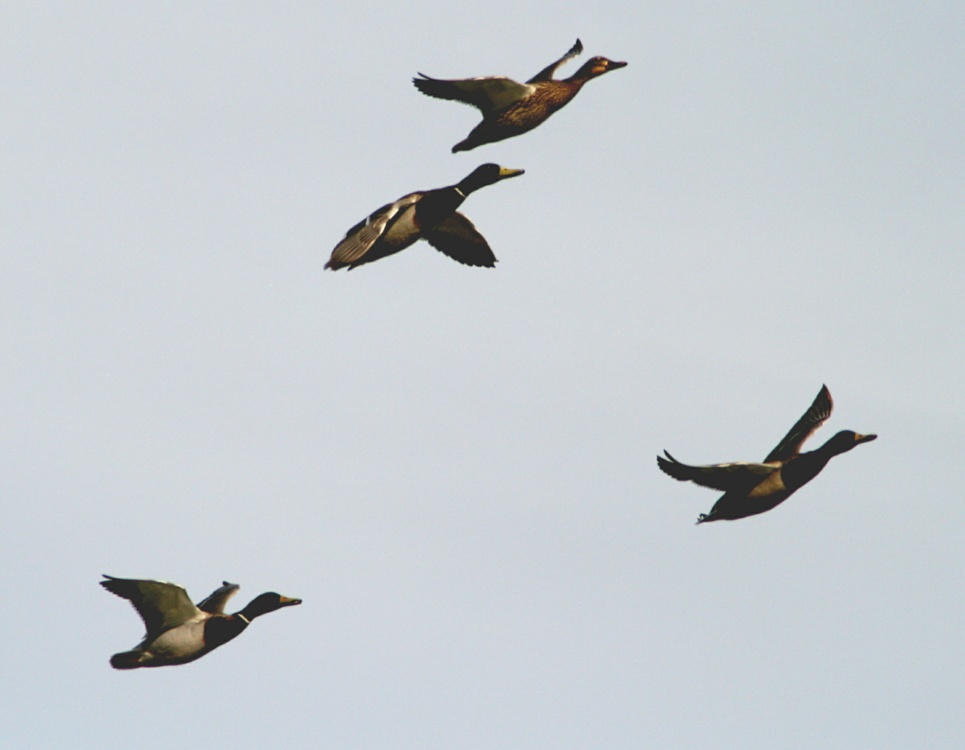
(510, 108)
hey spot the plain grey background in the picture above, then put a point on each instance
(454, 467)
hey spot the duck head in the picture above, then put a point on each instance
(597, 66)
(487, 174)
(846, 440)
(265, 603)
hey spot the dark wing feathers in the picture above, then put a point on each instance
(724, 477)
(457, 237)
(450, 89)
(161, 605)
(360, 238)
(363, 235)
(813, 418)
(546, 74)
(488, 94)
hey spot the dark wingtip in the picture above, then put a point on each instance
(826, 393)
(664, 464)
(110, 583)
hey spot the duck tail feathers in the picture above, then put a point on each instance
(126, 660)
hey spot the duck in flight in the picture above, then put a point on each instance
(426, 214)
(752, 488)
(178, 631)
(510, 108)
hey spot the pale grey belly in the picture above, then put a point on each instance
(185, 642)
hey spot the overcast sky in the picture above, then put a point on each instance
(454, 467)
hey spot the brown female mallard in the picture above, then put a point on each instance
(510, 108)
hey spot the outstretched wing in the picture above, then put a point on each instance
(813, 418)
(546, 74)
(363, 235)
(161, 605)
(216, 601)
(489, 94)
(458, 238)
(736, 476)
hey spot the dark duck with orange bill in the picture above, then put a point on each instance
(752, 488)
